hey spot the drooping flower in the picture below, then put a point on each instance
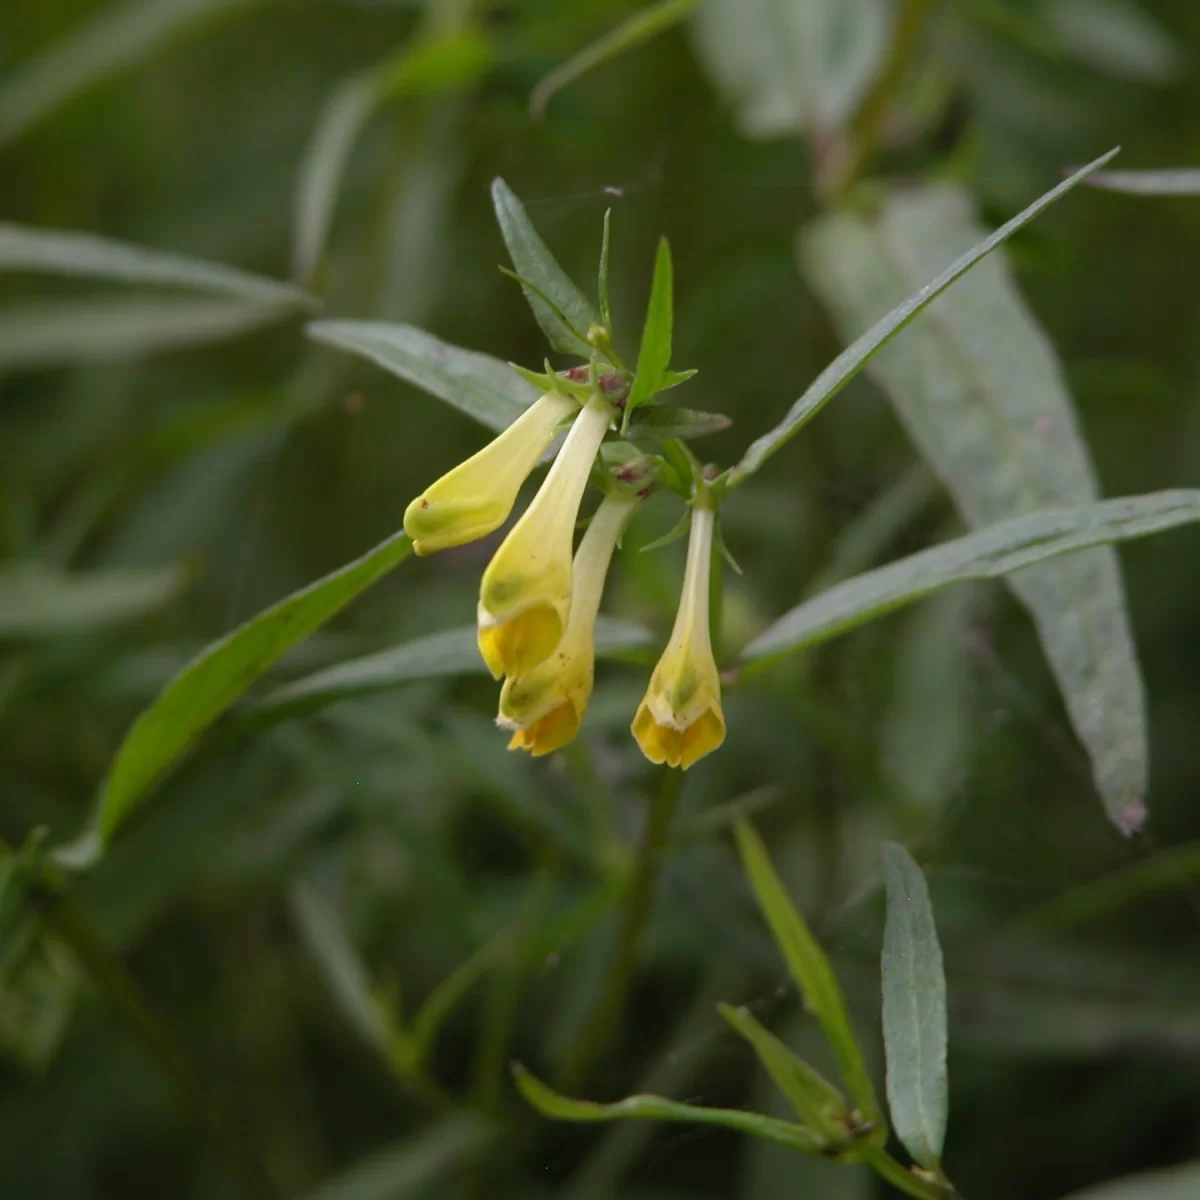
(545, 707)
(476, 497)
(525, 595)
(680, 719)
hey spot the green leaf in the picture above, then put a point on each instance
(427, 65)
(339, 126)
(654, 357)
(988, 554)
(415, 1168)
(565, 314)
(442, 1001)
(810, 969)
(813, 1098)
(914, 1010)
(1116, 37)
(1170, 1183)
(787, 68)
(1172, 869)
(84, 331)
(476, 384)
(452, 652)
(978, 386)
(325, 938)
(38, 601)
(654, 1108)
(602, 292)
(1181, 182)
(222, 672)
(118, 37)
(643, 25)
(65, 252)
(662, 421)
(854, 357)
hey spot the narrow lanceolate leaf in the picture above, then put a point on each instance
(415, 1168)
(561, 309)
(1182, 182)
(476, 384)
(66, 252)
(122, 34)
(981, 392)
(210, 683)
(640, 27)
(664, 421)
(325, 938)
(815, 1101)
(914, 1010)
(855, 356)
(654, 1108)
(452, 652)
(788, 68)
(1171, 1183)
(426, 64)
(36, 601)
(339, 126)
(814, 976)
(655, 355)
(988, 554)
(54, 333)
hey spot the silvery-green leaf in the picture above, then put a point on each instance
(914, 1010)
(1180, 182)
(979, 388)
(789, 67)
(1170, 1183)
(1117, 37)
(476, 384)
(69, 252)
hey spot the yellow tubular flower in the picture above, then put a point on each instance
(546, 706)
(525, 596)
(476, 497)
(680, 718)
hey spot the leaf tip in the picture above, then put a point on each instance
(1130, 817)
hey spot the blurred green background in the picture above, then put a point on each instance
(395, 828)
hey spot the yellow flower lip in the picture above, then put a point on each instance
(546, 707)
(475, 498)
(680, 720)
(525, 593)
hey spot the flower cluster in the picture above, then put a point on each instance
(540, 596)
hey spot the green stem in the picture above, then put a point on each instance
(640, 903)
(864, 136)
(63, 917)
(900, 1176)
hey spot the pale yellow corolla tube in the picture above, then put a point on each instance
(476, 497)
(525, 595)
(545, 707)
(680, 719)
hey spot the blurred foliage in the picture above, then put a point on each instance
(354, 918)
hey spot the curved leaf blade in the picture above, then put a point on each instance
(483, 387)
(643, 25)
(914, 1010)
(989, 554)
(120, 36)
(855, 356)
(1180, 182)
(1170, 1183)
(451, 652)
(981, 392)
(211, 682)
(655, 1108)
(810, 969)
(562, 310)
(85, 255)
(36, 601)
